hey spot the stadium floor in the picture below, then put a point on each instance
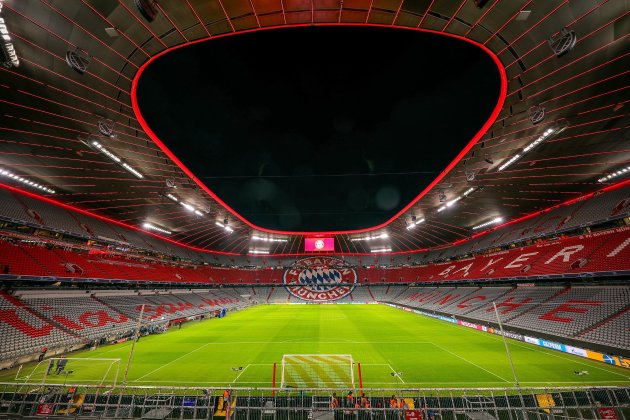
(384, 340)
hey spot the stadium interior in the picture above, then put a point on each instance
(141, 283)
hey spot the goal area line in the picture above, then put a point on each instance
(61, 369)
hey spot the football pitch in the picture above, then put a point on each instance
(396, 349)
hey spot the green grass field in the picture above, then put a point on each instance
(429, 352)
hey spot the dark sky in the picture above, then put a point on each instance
(319, 128)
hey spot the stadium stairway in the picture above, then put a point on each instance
(614, 332)
(603, 322)
(269, 295)
(11, 299)
(405, 289)
(370, 291)
(35, 216)
(102, 302)
(25, 333)
(541, 303)
(43, 317)
(33, 311)
(35, 261)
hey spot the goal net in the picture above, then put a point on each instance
(317, 371)
(72, 370)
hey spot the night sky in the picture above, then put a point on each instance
(319, 128)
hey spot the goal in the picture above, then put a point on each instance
(75, 370)
(317, 371)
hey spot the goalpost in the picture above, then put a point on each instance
(61, 370)
(317, 371)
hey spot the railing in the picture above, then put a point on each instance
(25, 400)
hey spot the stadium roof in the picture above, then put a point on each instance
(51, 113)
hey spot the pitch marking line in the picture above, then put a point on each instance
(171, 362)
(542, 384)
(239, 375)
(472, 363)
(532, 347)
(570, 358)
(319, 342)
(396, 375)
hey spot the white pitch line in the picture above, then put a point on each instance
(575, 359)
(220, 384)
(242, 371)
(319, 342)
(472, 363)
(375, 364)
(398, 376)
(171, 362)
(543, 350)
(549, 352)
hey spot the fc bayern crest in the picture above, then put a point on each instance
(320, 279)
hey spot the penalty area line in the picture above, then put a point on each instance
(171, 362)
(472, 363)
(395, 373)
(240, 373)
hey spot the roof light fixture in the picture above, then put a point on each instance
(383, 235)
(11, 175)
(156, 228)
(106, 152)
(98, 146)
(260, 238)
(491, 222)
(225, 226)
(456, 199)
(187, 206)
(258, 251)
(616, 174)
(468, 191)
(453, 201)
(380, 250)
(555, 129)
(510, 161)
(8, 56)
(132, 170)
(414, 223)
